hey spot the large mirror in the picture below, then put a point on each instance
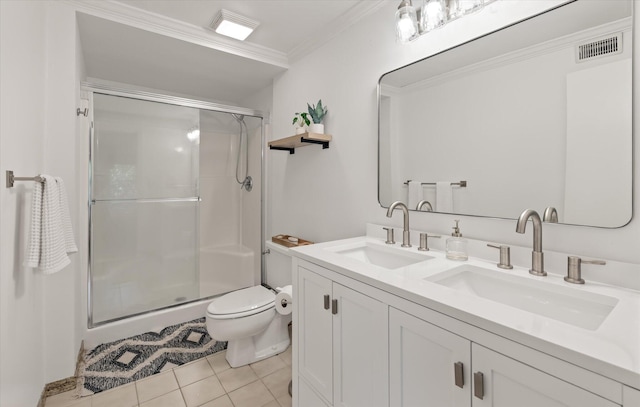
(536, 115)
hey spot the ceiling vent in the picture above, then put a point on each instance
(599, 47)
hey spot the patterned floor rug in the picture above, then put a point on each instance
(114, 364)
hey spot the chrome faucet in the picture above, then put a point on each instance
(423, 203)
(406, 242)
(537, 257)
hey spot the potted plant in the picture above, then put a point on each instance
(317, 113)
(300, 120)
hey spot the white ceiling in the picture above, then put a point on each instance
(166, 45)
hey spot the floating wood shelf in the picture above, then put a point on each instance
(300, 140)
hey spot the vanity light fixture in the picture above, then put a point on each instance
(411, 22)
(406, 22)
(233, 25)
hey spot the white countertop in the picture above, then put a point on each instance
(612, 350)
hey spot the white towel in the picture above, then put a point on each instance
(51, 235)
(70, 243)
(444, 197)
(414, 194)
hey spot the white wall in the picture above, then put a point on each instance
(40, 336)
(62, 335)
(330, 194)
(22, 125)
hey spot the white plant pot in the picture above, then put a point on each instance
(299, 130)
(316, 128)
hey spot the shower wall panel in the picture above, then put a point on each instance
(230, 238)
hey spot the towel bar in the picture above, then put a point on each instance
(11, 179)
(461, 184)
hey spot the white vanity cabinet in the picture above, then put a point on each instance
(342, 344)
(359, 345)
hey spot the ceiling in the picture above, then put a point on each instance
(165, 44)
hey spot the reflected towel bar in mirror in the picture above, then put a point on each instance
(461, 184)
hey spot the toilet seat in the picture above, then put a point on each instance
(242, 303)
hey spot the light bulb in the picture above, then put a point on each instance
(406, 22)
(433, 15)
(459, 8)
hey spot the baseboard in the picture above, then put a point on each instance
(42, 399)
(63, 385)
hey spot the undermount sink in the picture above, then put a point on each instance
(579, 308)
(381, 256)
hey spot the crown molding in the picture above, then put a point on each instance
(159, 24)
(346, 20)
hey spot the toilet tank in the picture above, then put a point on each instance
(278, 265)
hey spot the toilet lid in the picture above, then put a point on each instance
(248, 299)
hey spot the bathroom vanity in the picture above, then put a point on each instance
(381, 325)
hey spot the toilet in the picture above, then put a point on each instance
(247, 318)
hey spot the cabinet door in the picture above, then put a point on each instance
(315, 332)
(630, 397)
(307, 397)
(506, 383)
(360, 332)
(423, 362)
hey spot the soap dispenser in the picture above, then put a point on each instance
(457, 245)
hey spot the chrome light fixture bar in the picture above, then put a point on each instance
(411, 22)
(233, 25)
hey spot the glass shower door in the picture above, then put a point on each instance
(144, 207)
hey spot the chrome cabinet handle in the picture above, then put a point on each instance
(334, 307)
(458, 374)
(478, 385)
(326, 301)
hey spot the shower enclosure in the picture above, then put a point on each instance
(175, 203)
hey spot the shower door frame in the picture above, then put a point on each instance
(104, 89)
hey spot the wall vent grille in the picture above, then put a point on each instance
(608, 45)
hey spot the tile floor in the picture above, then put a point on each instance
(208, 382)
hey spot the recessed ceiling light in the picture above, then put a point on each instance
(233, 25)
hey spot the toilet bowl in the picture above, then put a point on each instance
(248, 320)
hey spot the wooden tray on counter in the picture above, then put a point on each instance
(284, 241)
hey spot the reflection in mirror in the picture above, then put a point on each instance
(536, 115)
